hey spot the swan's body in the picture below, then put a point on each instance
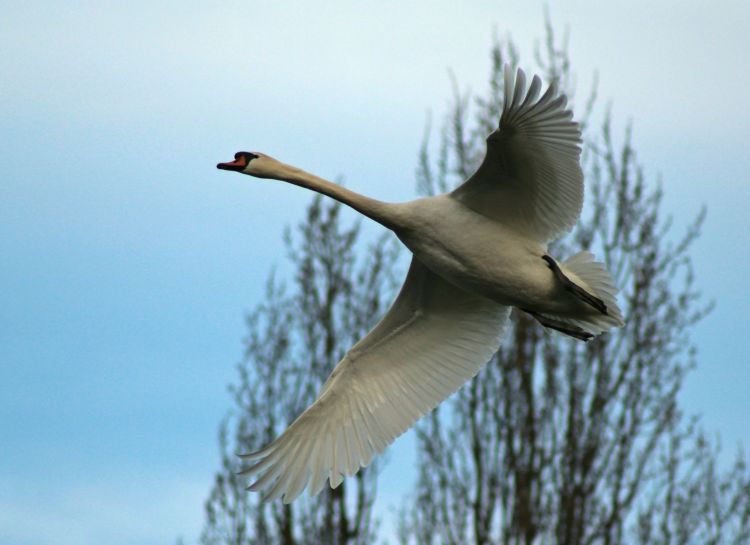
(480, 255)
(478, 251)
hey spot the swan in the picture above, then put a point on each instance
(477, 251)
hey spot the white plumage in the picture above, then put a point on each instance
(477, 251)
(531, 176)
(433, 339)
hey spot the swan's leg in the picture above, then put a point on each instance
(574, 288)
(569, 329)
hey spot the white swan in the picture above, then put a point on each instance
(477, 251)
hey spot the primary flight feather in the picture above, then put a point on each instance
(477, 251)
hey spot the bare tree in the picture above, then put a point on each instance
(558, 441)
(293, 341)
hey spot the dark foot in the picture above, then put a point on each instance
(574, 288)
(568, 329)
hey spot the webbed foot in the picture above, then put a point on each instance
(574, 288)
(568, 329)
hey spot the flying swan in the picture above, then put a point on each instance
(477, 251)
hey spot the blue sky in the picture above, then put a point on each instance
(128, 260)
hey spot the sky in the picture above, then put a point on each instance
(129, 261)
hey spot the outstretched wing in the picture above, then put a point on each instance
(433, 339)
(531, 176)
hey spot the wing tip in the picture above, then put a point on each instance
(520, 99)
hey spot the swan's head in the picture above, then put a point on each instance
(255, 164)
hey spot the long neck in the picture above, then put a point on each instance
(382, 212)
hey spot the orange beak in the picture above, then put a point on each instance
(238, 164)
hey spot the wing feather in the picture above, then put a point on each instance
(433, 339)
(531, 176)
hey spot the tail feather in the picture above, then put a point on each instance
(593, 277)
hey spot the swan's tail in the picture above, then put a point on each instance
(592, 277)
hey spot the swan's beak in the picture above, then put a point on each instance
(238, 164)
